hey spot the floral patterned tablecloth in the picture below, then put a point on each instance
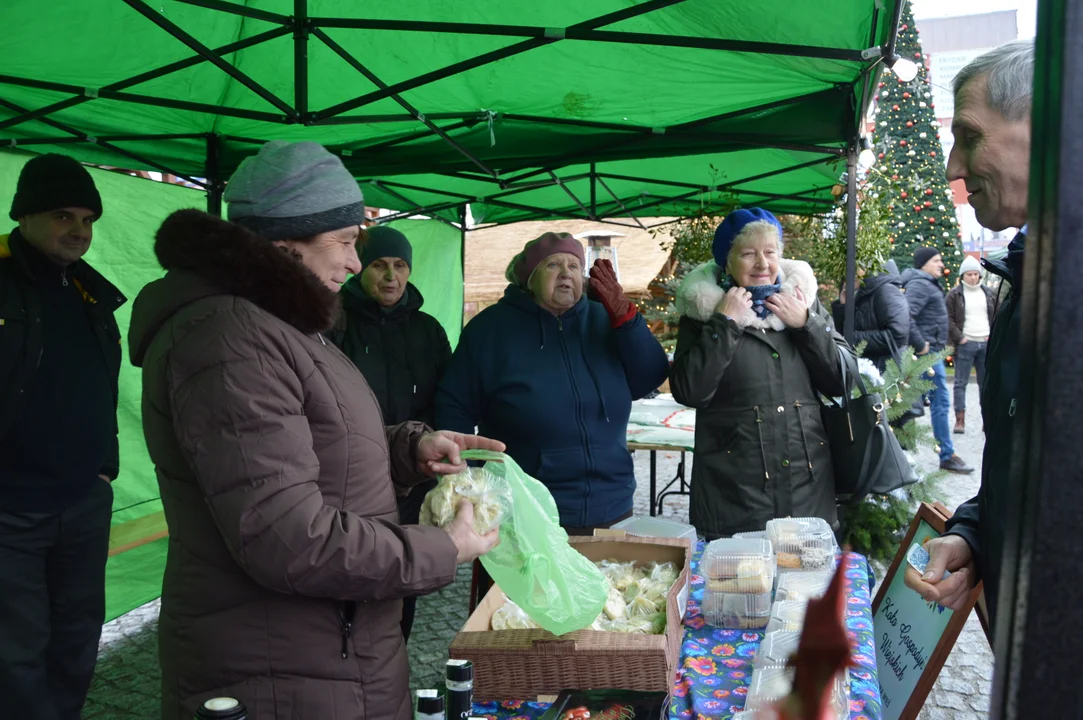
(716, 664)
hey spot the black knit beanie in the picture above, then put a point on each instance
(923, 255)
(53, 181)
(384, 242)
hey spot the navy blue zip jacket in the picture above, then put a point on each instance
(557, 392)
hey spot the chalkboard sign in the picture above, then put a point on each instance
(913, 637)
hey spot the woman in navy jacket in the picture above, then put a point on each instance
(553, 374)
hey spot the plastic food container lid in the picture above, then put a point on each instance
(776, 649)
(788, 615)
(656, 527)
(752, 535)
(801, 585)
(739, 558)
(770, 685)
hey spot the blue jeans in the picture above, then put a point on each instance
(941, 408)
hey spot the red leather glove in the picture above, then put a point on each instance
(603, 281)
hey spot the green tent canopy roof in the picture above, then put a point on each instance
(522, 109)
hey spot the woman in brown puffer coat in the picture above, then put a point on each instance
(286, 563)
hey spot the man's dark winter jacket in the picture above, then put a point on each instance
(881, 318)
(402, 352)
(59, 367)
(928, 311)
(981, 520)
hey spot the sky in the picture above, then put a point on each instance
(1027, 15)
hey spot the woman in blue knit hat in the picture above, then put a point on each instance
(754, 348)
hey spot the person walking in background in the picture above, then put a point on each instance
(59, 368)
(970, 316)
(929, 333)
(401, 351)
(881, 316)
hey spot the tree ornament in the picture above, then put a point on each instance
(894, 107)
(903, 143)
(906, 95)
(929, 191)
(941, 208)
(903, 194)
(909, 123)
(902, 224)
(911, 154)
(883, 94)
(922, 136)
(922, 104)
(932, 153)
(930, 204)
(932, 220)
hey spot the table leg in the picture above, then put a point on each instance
(654, 480)
(683, 487)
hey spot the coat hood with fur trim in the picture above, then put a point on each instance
(206, 256)
(700, 293)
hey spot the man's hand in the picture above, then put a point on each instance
(790, 309)
(438, 452)
(950, 553)
(468, 543)
(106, 479)
(963, 341)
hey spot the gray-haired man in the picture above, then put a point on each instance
(992, 156)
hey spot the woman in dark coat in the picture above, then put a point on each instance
(753, 349)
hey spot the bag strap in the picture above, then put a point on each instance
(848, 366)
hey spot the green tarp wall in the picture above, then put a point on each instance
(123, 251)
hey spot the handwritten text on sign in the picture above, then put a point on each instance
(907, 631)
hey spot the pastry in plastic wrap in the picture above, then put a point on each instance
(511, 617)
(488, 494)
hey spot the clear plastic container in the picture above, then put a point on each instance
(804, 586)
(787, 615)
(739, 611)
(776, 649)
(770, 685)
(739, 566)
(751, 535)
(657, 527)
(802, 543)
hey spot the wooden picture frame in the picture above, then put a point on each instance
(936, 516)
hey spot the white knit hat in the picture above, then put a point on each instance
(970, 264)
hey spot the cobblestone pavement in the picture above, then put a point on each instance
(126, 683)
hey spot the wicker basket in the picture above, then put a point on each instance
(523, 664)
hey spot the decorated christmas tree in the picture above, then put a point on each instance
(911, 169)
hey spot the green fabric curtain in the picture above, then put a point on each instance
(714, 92)
(123, 251)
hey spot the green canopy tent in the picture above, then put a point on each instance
(611, 110)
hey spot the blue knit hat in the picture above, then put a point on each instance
(732, 227)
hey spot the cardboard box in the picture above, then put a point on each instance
(523, 664)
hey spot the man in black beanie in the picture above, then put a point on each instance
(59, 367)
(402, 351)
(929, 333)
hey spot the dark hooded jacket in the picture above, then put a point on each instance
(558, 392)
(981, 520)
(881, 318)
(402, 351)
(286, 561)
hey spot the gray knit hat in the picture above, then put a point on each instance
(292, 190)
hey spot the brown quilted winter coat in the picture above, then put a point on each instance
(286, 564)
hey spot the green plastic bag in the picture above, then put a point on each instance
(559, 588)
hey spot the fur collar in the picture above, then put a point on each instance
(239, 262)
(700, 293)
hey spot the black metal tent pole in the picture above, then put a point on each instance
(570, 194)
(69, 139)
(623, 207)
(360, 67)
(212, 57)
(214, 175)
(300, 59)
(105, 144)
(112, 90)
(462, 251)
(851, 241)
(1037, 635)
(594, 190)
(479, 60)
